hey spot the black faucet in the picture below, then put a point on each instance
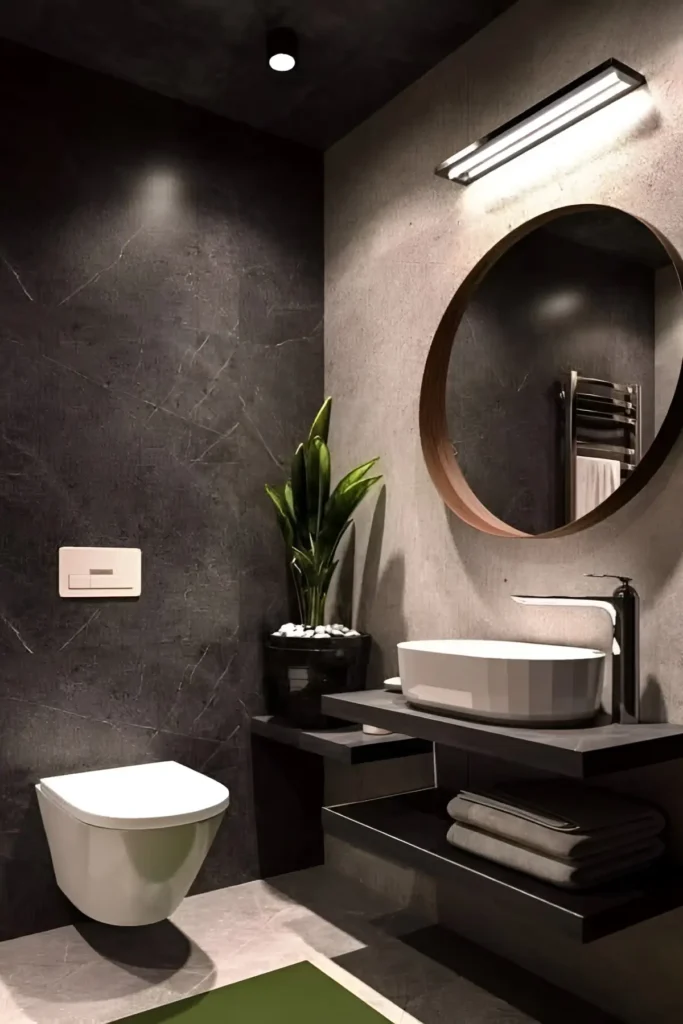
(623, 608)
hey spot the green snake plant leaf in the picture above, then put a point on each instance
(341, 507)
(308, 566)
(312, 464)
(299, 584)
(354, 476)
(304, 559)
(289, 499)
(312, 520)
(324, 477)
(328, 574)
(318, 470)
(321, 424)
(277, 496)
(299, 499)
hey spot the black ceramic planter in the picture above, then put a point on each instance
(300, 670)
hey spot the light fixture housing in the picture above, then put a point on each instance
(283, 49)
(604, 84)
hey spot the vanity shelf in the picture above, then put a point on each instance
(411, 829)
(352, 746)
(581, 753)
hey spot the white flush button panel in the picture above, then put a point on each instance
(100, 572)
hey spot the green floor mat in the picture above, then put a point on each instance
(300, 994)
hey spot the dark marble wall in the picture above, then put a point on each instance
(548, 306)
(161, 352)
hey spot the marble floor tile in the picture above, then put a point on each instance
(92, 974)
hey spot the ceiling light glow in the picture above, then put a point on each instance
(282, 62)
(575, 101)
(282, 49)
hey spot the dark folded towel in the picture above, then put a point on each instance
(558, 817)
(567, 874)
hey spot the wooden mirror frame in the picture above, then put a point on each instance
(446, 474)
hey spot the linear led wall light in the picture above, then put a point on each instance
(568, 105)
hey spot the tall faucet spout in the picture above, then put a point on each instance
(605, 604)
(623, 608)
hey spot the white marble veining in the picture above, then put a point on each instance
(93, 974)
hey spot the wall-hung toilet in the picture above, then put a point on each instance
(127, 843)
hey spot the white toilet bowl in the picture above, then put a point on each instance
(127, 843)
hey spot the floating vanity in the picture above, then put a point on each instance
(531, 429)
(581, 753)
(411, 827)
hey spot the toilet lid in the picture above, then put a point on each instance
(142, 796)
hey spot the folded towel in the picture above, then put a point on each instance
(558, 817)
(564, 873)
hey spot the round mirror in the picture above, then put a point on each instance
(552, 391)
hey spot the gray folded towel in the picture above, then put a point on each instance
(558, 817)
(567, 874)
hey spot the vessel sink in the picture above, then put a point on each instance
(503, 681)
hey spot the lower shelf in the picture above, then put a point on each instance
(411, 828)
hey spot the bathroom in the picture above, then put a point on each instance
(171, 324)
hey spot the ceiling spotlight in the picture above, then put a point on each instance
(282, 49)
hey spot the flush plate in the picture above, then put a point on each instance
(100, 572)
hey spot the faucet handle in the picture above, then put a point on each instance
(626, 580)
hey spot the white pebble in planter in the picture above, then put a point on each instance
(301, 665)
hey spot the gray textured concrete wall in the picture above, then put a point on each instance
(398, 244)
(668, 339)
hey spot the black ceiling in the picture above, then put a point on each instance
(354, 54)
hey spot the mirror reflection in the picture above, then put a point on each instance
(564, 366)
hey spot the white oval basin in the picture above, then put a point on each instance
(503, 680)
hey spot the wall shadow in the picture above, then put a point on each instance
(652, 702)
(288, 792)
(381, 600)
(471, 974)
(342, 600)
(526, 992)
(434, 974)
(30, 900)
(373, 556)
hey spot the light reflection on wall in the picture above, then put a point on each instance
(557, 307)
(160, 195)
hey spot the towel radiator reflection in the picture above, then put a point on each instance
(602, 420)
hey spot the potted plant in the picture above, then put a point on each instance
(311, 657)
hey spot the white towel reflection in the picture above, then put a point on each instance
(596, 479)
